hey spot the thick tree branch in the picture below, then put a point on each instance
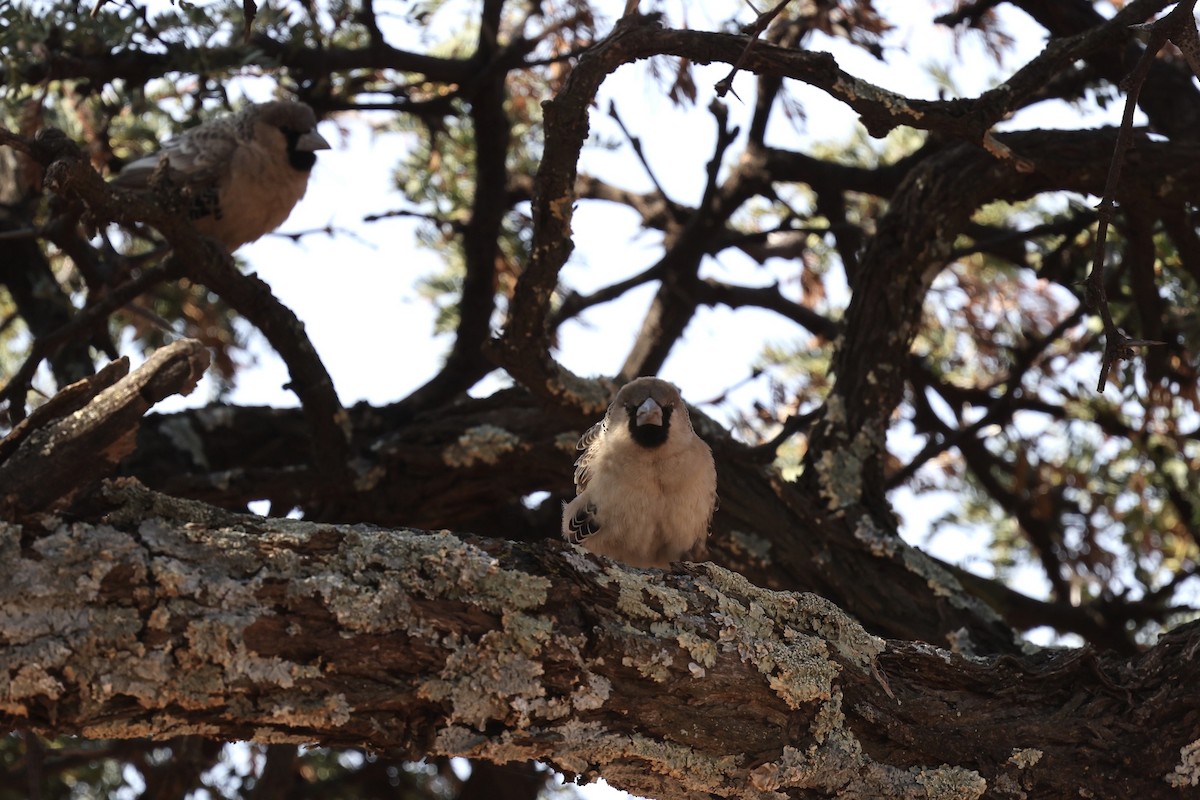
(174, 619)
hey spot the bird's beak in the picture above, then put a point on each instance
(312, 141)
(649, 413)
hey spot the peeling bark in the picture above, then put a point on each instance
(174, 618)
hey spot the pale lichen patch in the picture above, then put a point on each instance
(657, 667)
(583, 746)
(590, 396)
(32, 680)
(878, 543)
(480, 444)
(702, 651)
(672, 601)
(434, 565)
(1024, 758)
(800, 672)
(829, 720)
(275, 736)
(578, 558)
(839, 629)
(631, 589)
(841, 768)
(949, 783)
(162, 726)
(593, 695)
(179, 431)
(498, 677)
(1187, 771)
(840, 468)
(944, 584)
(568, 442)
(794, 613)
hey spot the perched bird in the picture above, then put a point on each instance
(645, 485)
(243, 172)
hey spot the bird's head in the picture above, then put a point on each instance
(648, 405)
(298, 124)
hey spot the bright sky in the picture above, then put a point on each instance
(358, 288)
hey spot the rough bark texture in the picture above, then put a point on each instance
(172, 618)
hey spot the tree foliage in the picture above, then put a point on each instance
(955, 291)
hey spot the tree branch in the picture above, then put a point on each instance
(53, 462)
(195, 621)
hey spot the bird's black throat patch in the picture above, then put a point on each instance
(302, 160)
(649, 435)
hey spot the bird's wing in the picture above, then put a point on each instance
(196, 157)
(582, 524)
(586, 442)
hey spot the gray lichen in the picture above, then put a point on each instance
(840, 768)
(1024, 758)
(492, 679)
(567, 442)
(591, 396)
(879, 543)
(480, 444)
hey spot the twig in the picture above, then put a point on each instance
(13, 393)
(249, 12)
(1117, 345)
(753, 30)
(791, 426)
(636, 143)
(970, 13)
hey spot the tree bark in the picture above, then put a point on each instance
(172, 618)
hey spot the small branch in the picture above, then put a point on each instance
(68, 400)
(71, 451)
(636, 143)
(575, 303)
(791, 426)
(1117, 345)
(923, 376)
(12, 396)
(249, 13)
(714, 292)
(753, 31)
(968, 12)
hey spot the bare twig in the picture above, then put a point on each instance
(636, 143)
(753, 30)
(1117, 345)
(13, 393)
(249, 12)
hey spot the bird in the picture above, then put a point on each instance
(241, 173)
(646, 484)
